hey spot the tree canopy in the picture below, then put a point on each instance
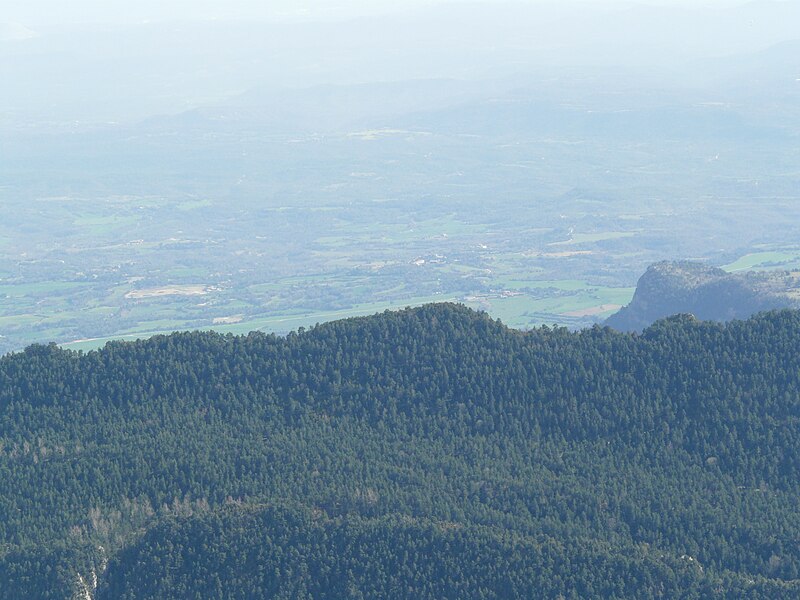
(425, 453)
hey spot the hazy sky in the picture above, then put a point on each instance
(52, 12)
(77, 68)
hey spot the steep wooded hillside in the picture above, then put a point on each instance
(419, 453)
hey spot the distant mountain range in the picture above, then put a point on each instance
(707, 292)
(128, 72)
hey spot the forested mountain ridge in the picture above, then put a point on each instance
(345, 460)
(709, 293)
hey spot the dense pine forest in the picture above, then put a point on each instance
(425, 453)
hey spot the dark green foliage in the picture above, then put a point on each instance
(46, 572)
(279, 553)
(424, 453)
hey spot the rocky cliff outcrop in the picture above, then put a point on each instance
(708, 293)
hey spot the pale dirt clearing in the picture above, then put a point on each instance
(171, 290)
(560, 254)
(228, 320)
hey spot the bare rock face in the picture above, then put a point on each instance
(707, 293)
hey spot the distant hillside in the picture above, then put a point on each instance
(708, 293)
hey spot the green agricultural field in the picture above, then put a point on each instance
(765, 260)
(579, 306)
(402, 232)
(570, 285)
(17, 321)
(158, 325)
(588, 238)
(41, 288)
(100, 225)
(194, 204)
(194, 273)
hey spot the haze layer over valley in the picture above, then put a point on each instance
(531, 160)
